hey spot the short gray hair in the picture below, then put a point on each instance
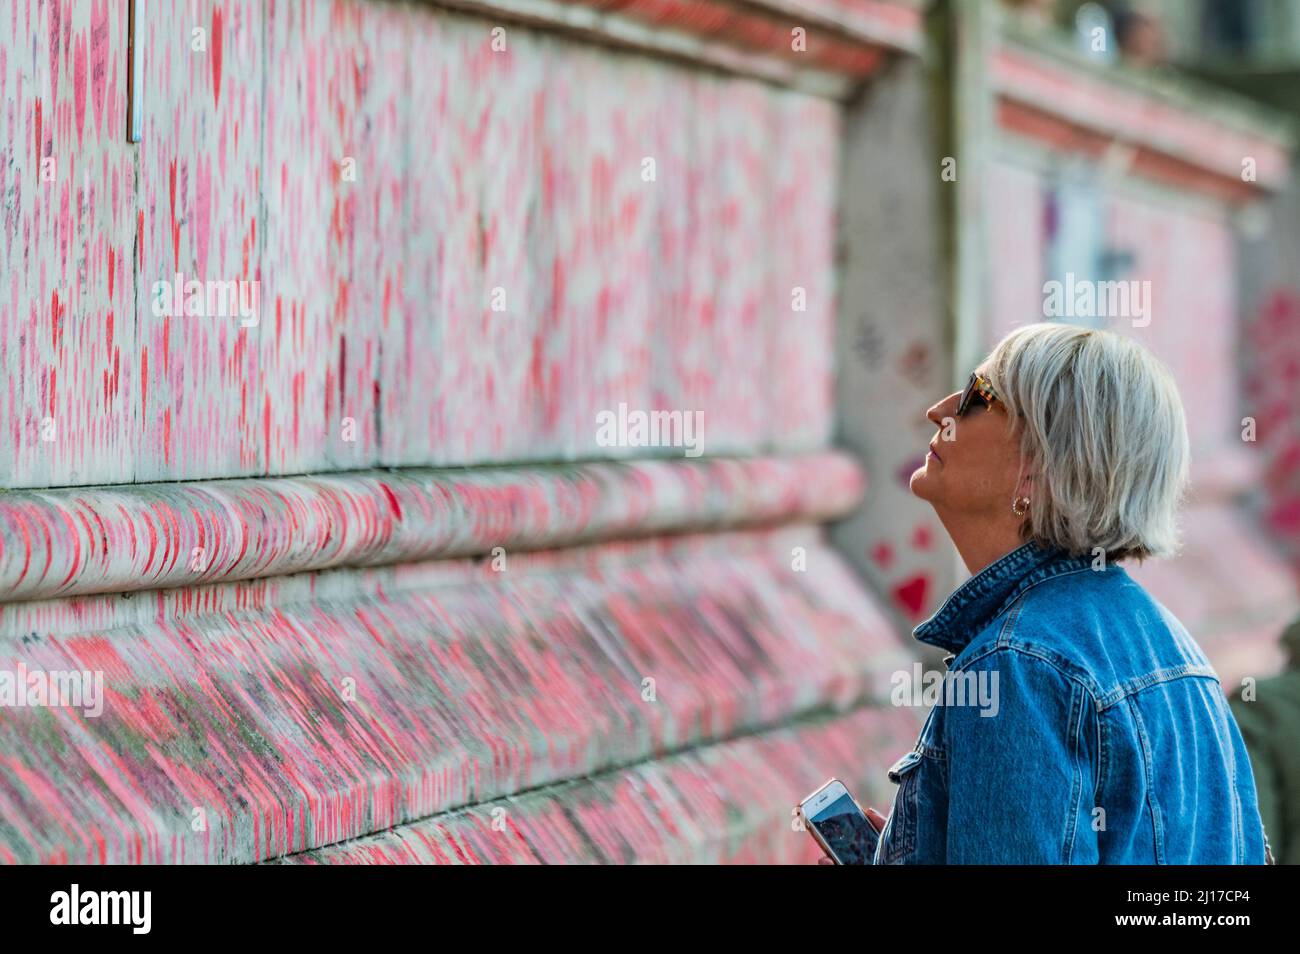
(1105, 434)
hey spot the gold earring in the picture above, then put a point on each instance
(1020, 506)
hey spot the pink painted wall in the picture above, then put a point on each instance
(1189, 258)
(231, 619)
(1015, 274)
(474, 169)
(69, 343)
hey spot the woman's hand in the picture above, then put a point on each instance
(877, 822)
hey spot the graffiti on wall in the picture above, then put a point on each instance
(463, 250)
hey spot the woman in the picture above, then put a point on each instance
(1095, 730)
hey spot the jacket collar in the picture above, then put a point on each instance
(988, 593)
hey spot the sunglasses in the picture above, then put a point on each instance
(978, 391)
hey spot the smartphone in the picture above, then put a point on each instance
(839, 825)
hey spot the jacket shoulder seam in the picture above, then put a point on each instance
(1034, 653)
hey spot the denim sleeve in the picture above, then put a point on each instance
(1021, 773)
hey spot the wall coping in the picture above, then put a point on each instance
(1180, 128)
(847, 39)
(71, 541)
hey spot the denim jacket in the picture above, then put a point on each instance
(1093, 730)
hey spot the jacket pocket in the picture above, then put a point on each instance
(899, 836)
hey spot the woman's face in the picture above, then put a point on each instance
(974, 461)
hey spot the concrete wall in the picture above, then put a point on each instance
(893, 339)
(520, 170)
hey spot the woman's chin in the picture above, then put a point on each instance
(919, 481)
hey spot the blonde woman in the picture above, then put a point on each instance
(1093, 729)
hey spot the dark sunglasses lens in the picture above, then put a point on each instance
(964, 403)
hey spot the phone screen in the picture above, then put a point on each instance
(847, 831)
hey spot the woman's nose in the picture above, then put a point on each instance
(944, 408)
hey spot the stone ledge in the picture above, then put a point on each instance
(72, 541)
(723, 804)
(297, 726)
